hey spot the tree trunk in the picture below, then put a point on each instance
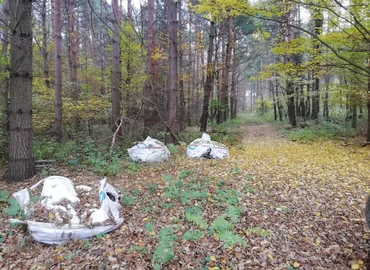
(149, 102)
(72, 50)
(233, 89)
(58, 103)
(209, 78)
(318, 17)
(45, 44)
(21, 162)
(291, 103)
(4, 87)
(173, 61)
(182, 115)
(116, 70)
(326, 98)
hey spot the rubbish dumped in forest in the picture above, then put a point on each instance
(150, 150)
(205, 148)
(62, 212)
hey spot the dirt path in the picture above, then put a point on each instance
(261, 132)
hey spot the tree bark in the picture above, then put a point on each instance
(150, 110)
(4, 87)
(58, 103)
(44, 48)
(116, 69)
(173, 61)
(318, 17)
(182, 116)
(209, 78)
(21, 162)
(72, 50)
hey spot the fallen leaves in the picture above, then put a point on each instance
(301, 206)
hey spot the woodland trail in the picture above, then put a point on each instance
(295, 206)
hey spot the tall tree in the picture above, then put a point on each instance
(116, 68)
(72, 49)
(21, 162)
(44, 49)
(173, 124)
(209, 78)
(58, 99)
(4, 86)
(318, 24)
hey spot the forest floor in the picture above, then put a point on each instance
(274, 204)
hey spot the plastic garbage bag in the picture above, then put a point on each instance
(59, 198)
(150, 150)
(205, 148)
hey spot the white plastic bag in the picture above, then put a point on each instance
(206, 148)
(51, 233)
(150, 150)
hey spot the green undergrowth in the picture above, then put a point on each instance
(311, 132)
(205, 208)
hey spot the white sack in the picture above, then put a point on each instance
(57, 188)
(150, 150)
(206, 148)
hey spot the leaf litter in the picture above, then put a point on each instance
(274, 204)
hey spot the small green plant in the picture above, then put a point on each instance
(128, 200)
(259, 231)
(149, 227)
(228, 196)
(247, 188)
(132, 167)
(23, 241)
(234, 213)
(139, 249)
(172, 148)
(152, 188)
(2, 238)
(100, 235)
(193, 215)
(87, 244)
(192, 235)
(164, 251)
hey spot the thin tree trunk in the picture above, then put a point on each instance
(173, 61)
(45, 44)
(58, 103)
(4, 87)
(21, 162)
(182, 116)
(318, 17)
(72, 50)
(209, 78)
(150, 110)
(326, 98)
(116, 70)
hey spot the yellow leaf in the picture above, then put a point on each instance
(51, 215)
(270, 256)
(355, 266)
(145, 219)
(212, 258)
(296, 264)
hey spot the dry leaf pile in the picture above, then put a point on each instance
(295, 206)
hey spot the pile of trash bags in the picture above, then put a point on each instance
(64, 211)
(152, 150)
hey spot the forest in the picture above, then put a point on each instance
(93, 69)
(284, 85)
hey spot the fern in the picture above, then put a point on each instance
(221, 224)
(193, 214)
(14, 209)
(192, 235)
(230, 239)
(164, 251)
(233, 213)
(4, 195)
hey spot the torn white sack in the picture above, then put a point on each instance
(59, 196)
